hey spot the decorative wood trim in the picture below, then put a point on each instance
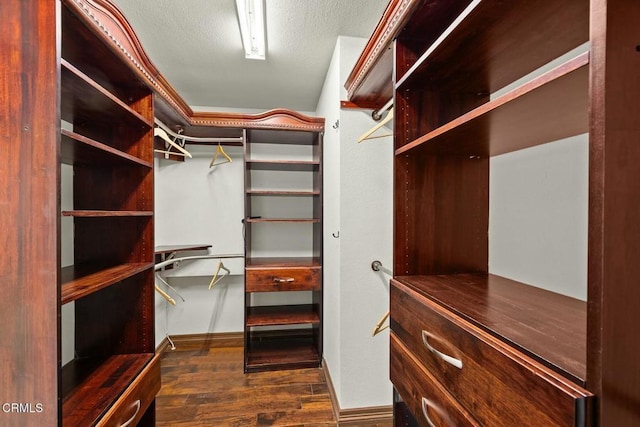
(109, 23)
(369, 64)
(355, 416)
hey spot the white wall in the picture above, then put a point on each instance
(358, 204)
(198, 205)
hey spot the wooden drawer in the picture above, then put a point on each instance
(135, 400)
(283, 279)
(429, 401)
(496, 382)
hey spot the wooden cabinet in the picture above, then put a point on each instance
(91, 116)
(473, 80)
(283, 233)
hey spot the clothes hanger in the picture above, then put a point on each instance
(165, 295)
(165, 137)
(367, 134)
(215, 275)
(164, 282)
(379, 328)
(220, 151)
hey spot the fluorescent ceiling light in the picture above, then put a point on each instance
(251, 18)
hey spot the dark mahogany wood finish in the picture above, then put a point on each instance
(301, 346)
(450, 59)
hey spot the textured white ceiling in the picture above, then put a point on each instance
(196, 45)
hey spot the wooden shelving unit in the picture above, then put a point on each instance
(283, 335)
(473, 80)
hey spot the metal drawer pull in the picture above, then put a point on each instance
(426, 404)
(283, 279)
(134, 415)
(450, 360)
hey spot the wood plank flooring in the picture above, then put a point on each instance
(204, 385)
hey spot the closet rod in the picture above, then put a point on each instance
(377, 114)
(161, 264)
(196, 139)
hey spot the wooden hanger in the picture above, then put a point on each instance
(165, 137)
(165, 295)
(367, 134)
(215, 275)
(220, 152)
(379, 328)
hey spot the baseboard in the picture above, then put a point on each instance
(355, 416)
(206, 340)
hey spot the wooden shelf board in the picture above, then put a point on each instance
(282, 193)
(80, 281)
(550, 107)
(545, 325)
(165, 249)
(270, 136)
(282, 315)
(263, 220)
(76, 148)
(101, 213)
(484, 51)
(282, 165)
(89, 390)
(283, 262)
(84, 98)
(284, 351)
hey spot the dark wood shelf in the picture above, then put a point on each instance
(282, 193)
(272, 350)
(282, 315)
(545, 325)
(89, 390)
(76, 148)
(83, 280)
(101, 213)
(279, 262)
(165, 249)
(550, 107)
(283, 165)
(85, 100)
(484, 51)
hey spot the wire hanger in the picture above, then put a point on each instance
(220, 152)
(367, 134)
(215, 275)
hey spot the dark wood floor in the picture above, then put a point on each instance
(204, 385)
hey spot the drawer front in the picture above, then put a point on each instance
(135, 400)
(429, 401)
(498, 384)
(283, 279)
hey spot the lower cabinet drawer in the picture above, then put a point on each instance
(283, 279)
(430, 403)
(135, 400)
(498, 384)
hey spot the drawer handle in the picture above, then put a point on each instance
(134, 415)
(450, 360)
(283, 279)
(426, 404)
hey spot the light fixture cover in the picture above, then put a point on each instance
(252, 28)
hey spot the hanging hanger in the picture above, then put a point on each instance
(165, 295)
(165, 137)
(379, 328)
(220, 152)
(367, 134)
(215, 275)
(164, 282)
